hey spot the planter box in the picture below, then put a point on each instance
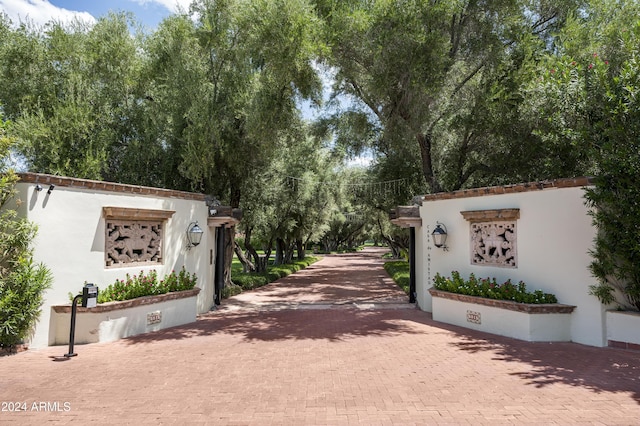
(533, 323)
(114, 320)
(623, 329)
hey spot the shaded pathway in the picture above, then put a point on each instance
(352, 279)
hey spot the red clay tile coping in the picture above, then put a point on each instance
(511, 189)
(544, 308)
(97, 185)
(139, 301)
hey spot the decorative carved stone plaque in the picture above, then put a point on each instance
(134, 236)
(494, 244)
(133, 242)
(474, 317)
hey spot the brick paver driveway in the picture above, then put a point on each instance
(329, 345)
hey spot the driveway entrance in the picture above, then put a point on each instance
(285, 356)
(352, 279)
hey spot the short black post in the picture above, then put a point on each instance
(72, 333)
(412, 265)
(219, 276)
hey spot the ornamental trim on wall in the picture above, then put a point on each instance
(134, 236)
(493, 240)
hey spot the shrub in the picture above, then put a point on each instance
(490, 289)
(21, 297)
(231, 290)
(22, 283)
(147, 285)
(251, 280)
(614, 200)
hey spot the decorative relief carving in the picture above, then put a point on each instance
(133, 242)
(134, 236)
(494, 244)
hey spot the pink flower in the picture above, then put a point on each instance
(595, 55)
(590, 66)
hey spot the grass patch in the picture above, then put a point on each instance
(398, 270)
(249, 281)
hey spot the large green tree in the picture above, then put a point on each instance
(72, 93)
(591, 93)
(203, 103)
(425, 72)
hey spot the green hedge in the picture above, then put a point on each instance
(398, 270)
(147, 285)
(491, 289)
(249, 281)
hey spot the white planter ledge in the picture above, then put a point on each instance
(530, 322)
(115, 320)
(622, 329)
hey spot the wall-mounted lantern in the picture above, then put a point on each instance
(439, 236)
(194, 234)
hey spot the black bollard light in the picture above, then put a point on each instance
(72, 332)
(89, 298)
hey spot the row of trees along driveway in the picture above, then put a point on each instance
(442, 95)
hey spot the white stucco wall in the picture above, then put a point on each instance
(550, 327)
(108, 326)
(71, 242)
(554, 235)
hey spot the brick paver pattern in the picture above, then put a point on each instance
(334, 344)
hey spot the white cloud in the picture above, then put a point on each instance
(171, 5)
(40, 12)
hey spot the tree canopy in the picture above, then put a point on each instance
(443, 95)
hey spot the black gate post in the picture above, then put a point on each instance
(412, 265)
(219, 279)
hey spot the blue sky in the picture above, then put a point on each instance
(147, 12)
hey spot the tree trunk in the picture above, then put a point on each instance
(260, 264)
(396, 248)
(229, 244)
(247, 265)
(288, 253)
(424, 140)
(280, 251)
(300, 248)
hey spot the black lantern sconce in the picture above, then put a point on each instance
(194, 234)
(439, 236)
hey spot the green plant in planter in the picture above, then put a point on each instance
(489, 288)
(147, 285)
